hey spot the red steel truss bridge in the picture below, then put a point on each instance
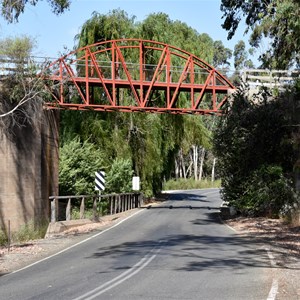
(135, 75)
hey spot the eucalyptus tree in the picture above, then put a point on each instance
(11, 10)
(241, 55)
(22, 91)
(222, 55)
(276, 21)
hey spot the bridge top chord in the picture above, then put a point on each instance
(136, 75)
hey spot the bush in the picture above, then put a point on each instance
(266, 193)
(119, 177)
(78, 164)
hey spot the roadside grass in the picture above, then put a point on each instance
(102, 210)
(187, 184)
(27, 232)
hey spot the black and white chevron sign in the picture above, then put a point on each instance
(100, 181)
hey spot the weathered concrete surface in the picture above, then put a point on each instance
(29, 171)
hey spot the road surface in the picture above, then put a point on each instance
(178, 249)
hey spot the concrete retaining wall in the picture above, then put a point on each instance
(28, 171)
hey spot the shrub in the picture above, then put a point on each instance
(119, 177)
(266, 193)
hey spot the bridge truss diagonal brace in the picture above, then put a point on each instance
(183, 75)
(72, 76)
(100, 75)
(162, 61)
(200, 97)
(123, 62)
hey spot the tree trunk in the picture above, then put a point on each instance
(182, 165)
(195, 161)
(202, 156)
(213, 170)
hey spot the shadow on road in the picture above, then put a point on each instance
(195, 252)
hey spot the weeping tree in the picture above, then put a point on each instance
(150, 142)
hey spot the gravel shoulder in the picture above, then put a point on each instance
(282, 242)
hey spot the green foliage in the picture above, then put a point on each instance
(115, 25)
(11, 10)
(221, 55)
(75, 213)
(277, 20)
(240, 55)
(187, 184)
(267, 193)
(29, 231)
(78, 164)
(119, 177)
(254, 147)
(17, 48)
(3, 238)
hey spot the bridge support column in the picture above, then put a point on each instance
(29, 171)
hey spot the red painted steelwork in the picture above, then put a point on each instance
(135, 75)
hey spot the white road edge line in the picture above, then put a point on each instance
(75, 245)
(274, 288)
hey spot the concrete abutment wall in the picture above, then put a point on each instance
(29, 171)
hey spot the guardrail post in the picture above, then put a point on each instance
(82, 208)
(68, 210)
(95, 213)
(54, 210)
(141, 200)
(115, 204)
(111, 204)
(122, 202)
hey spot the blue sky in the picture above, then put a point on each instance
(53, 33)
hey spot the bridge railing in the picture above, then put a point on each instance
(78, 67)
(9, 66)
(269, 78)
(62, 206)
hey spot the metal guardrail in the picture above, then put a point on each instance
(61, 206)
(269, 78)
(9, 66)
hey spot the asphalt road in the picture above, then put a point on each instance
(176, 250)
